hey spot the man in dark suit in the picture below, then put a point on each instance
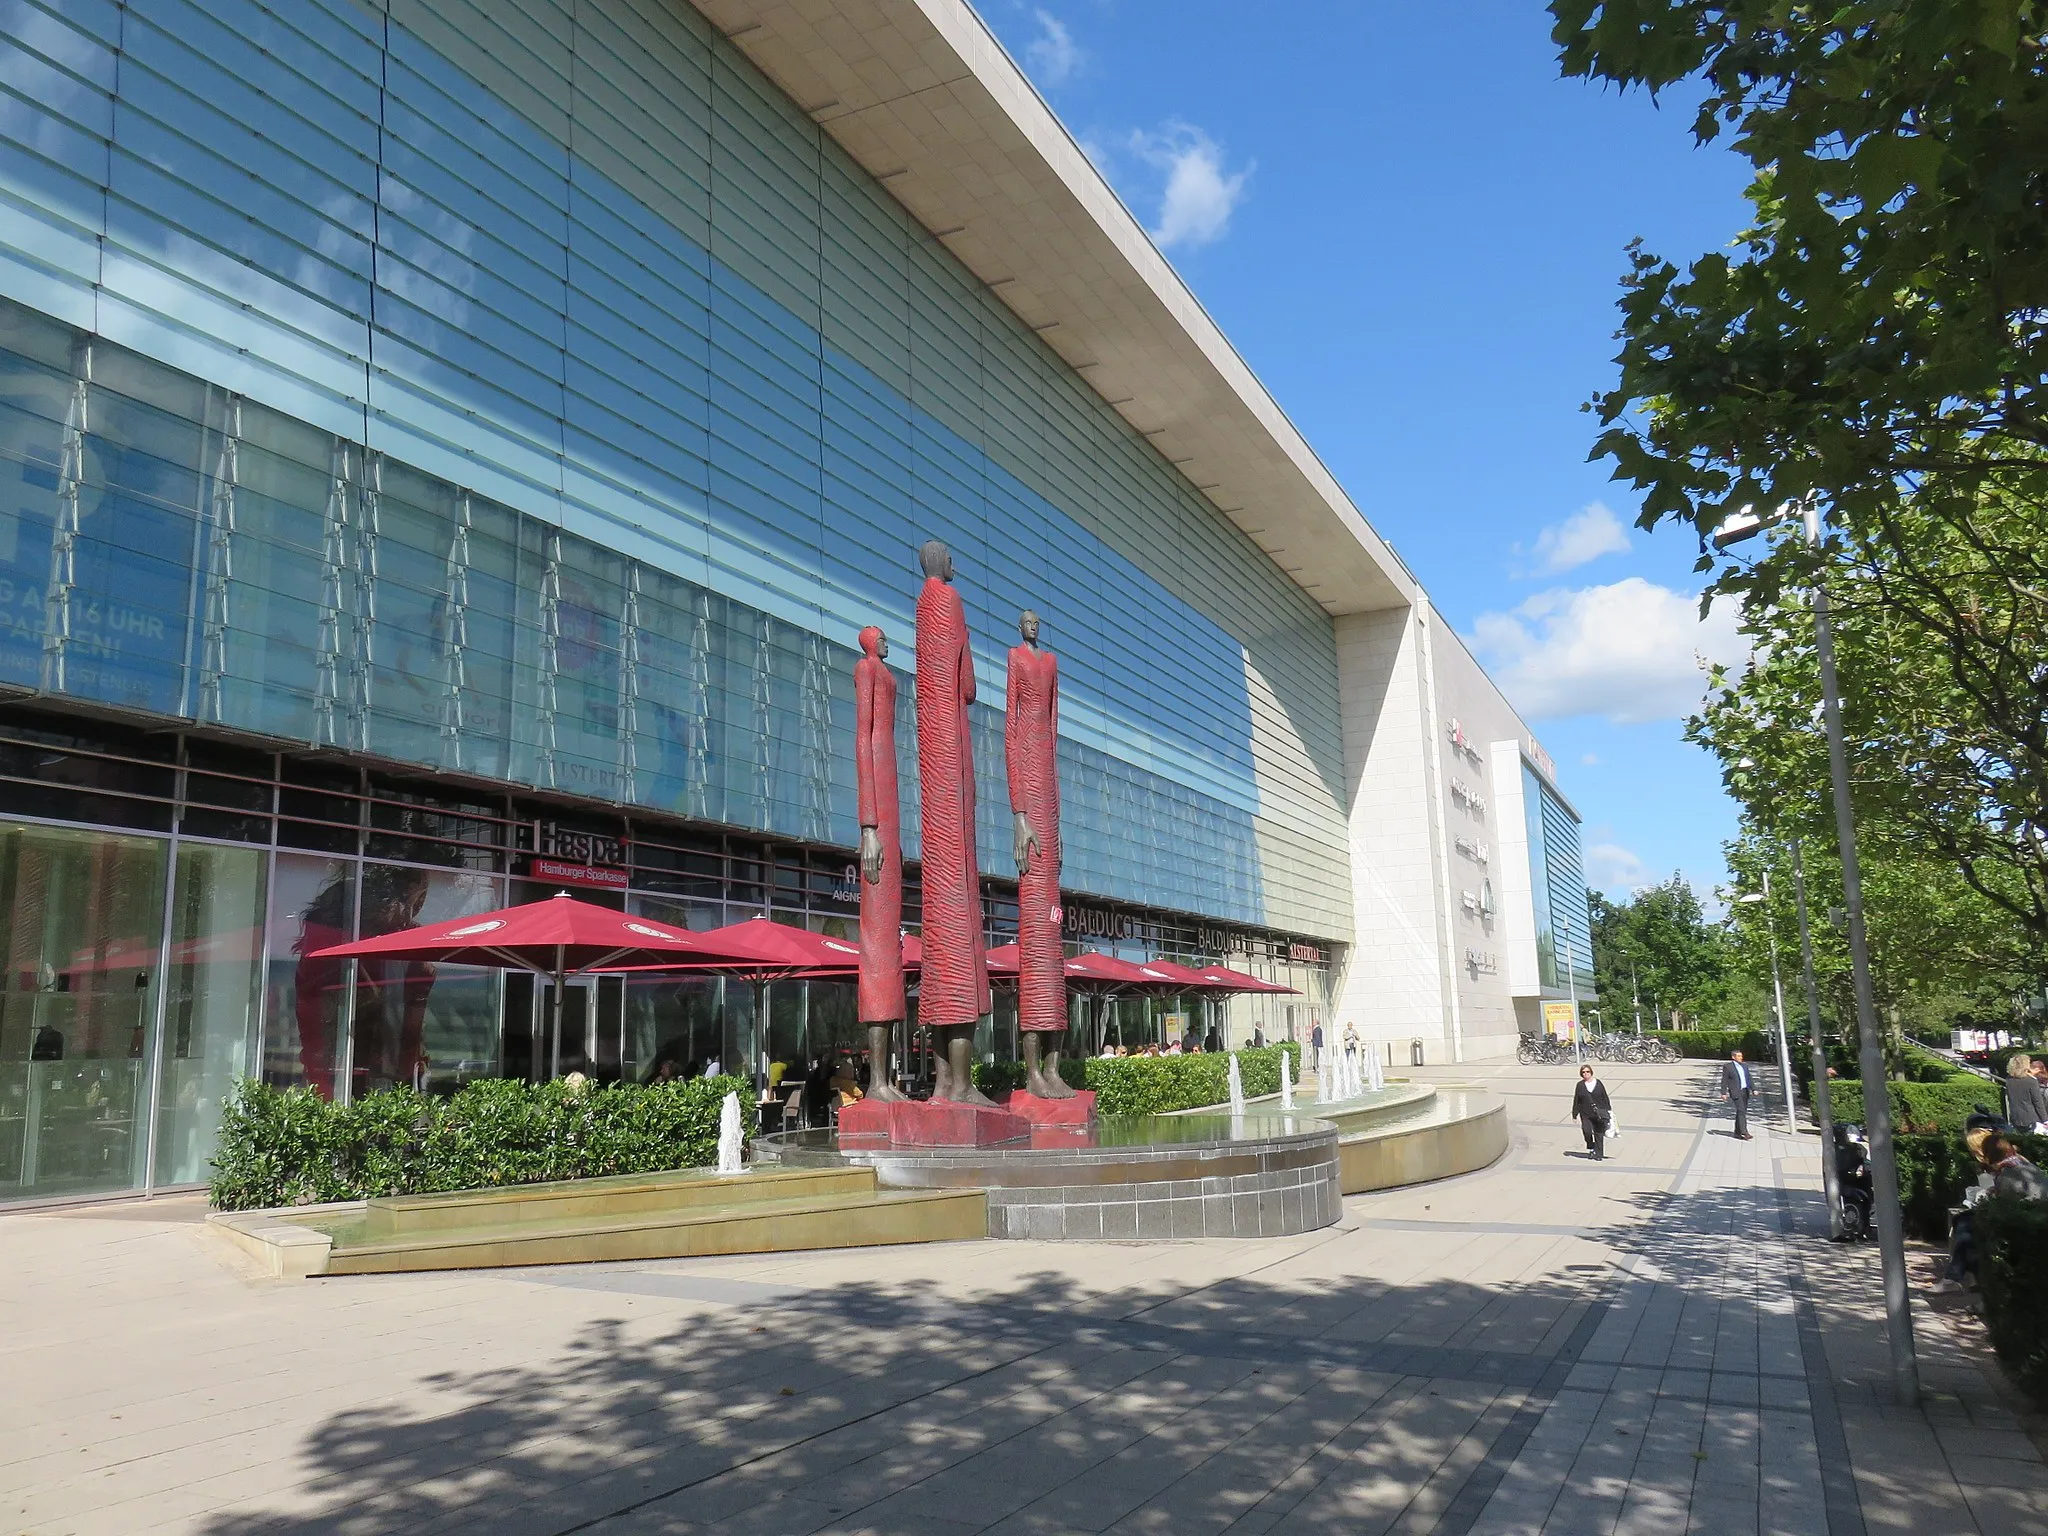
(1737, 1083)
(1594, 1111)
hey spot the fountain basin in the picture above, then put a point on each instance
(1202, 1174)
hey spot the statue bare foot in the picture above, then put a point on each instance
(880, 1089)
(960, 1075)
(1054, 1086)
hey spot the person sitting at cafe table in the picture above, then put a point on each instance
(845, 1082)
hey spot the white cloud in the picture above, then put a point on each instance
(1200, 195)
(1616, 870)
(1630, 651)
(1580, 539)
(1053, 55)
(1591, 759)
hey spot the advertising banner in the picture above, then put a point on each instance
(1559, 1021)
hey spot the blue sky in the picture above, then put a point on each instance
(1414, 230)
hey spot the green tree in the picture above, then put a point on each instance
(1940, 955)
(1876, 339)
(1657, 947)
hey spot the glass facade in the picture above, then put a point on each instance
(163, 897)
(170, 548)
(554, 402)
(1557, 879)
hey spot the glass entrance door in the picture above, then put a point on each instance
(81, 925)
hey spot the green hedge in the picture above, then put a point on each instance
(1920, 1106)
(2012, 1239)
(1933, 1173)
(1715, 1044)
(1153, 1085)
(292, 1147)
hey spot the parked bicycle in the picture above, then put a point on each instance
(1548, 1051)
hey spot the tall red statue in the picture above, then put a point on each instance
(1030, 738)
(953, 991)
(881, 856)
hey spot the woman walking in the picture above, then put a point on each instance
(1594, 1112)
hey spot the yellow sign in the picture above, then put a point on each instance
(1558, 1021)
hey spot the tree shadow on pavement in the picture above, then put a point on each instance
(1043, 1406)
(886, 1409)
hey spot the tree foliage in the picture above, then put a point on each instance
(1881, 326)
(1875, 341)
(1940, 955)
(1963, 867)
(1657, 949)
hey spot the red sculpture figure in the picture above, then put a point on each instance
(953, 992)
(1030, 734)
(881, 857)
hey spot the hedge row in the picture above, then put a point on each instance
(1153, 1085)
(1934, 1170)
(1715, 1044)
(292, 1147)
(1923, 1107)
(2012, 1236)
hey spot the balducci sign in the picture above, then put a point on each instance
(1078, 922)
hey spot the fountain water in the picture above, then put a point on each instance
(1236, 1087)
(729, 1136)
(1379, 1073)
(1286, 1081)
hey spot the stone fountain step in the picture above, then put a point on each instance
(847, 1219)
(678, 1215)
(582, 1199)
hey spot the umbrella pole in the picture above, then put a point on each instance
(555, 1068)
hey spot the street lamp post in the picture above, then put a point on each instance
(1778, 997)
(1877, 1111)
(1572, 984)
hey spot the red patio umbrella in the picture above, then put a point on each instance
(1108, 973)
(761, 949)
(1184, 978)
(1223, 977)
(558, 938)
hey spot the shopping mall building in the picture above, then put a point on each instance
(447, 452)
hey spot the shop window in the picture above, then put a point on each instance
(306, 1003)
(81, 929)
(412, 1023)
(212, 1001)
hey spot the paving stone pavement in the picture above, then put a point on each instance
(1656, 1343)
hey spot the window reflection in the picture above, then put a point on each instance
(211, 1011)
(312, 907)
(369, 606)
(415, 1023)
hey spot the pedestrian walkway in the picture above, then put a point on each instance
(1654, 1343)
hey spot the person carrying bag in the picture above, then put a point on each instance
(1594, 1111)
